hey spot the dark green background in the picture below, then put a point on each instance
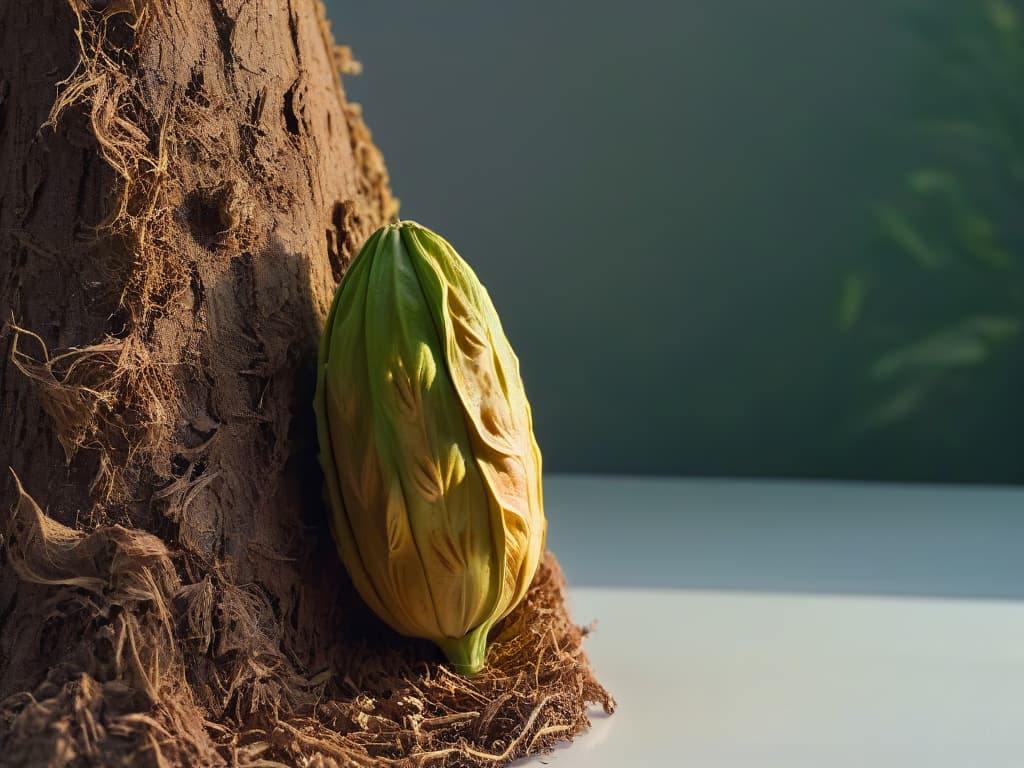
(662, 199)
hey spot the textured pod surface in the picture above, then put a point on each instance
(432, 471)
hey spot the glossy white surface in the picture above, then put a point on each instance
(760, 677)
(728, 680)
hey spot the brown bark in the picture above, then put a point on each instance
(181, 186)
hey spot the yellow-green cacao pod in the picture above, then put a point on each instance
(433, 475)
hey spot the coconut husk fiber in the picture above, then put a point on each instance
(182, 185)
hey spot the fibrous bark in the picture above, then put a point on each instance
(181, 187)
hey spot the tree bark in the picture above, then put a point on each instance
(181, 187)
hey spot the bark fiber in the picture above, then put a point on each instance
(182, 184)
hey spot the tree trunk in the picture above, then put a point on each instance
(181, 187)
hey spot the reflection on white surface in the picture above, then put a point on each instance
(758, 680)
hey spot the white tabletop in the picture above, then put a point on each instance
(796, 625)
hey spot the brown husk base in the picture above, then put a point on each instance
(143, 681)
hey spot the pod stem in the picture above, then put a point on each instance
(466, 653)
